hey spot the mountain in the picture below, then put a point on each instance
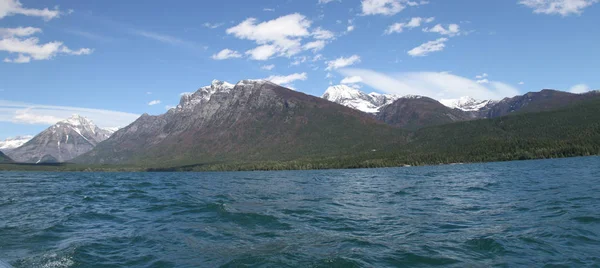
(61, 142)
(251, 121)
(12, 143)
(467, 104)
(545, 100)
(416, 111)
(4, 159)
(356, 99)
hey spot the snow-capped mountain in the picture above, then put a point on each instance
(61, 142)
(466, 104)
(356, 99)
(14, 142)
(190, 100)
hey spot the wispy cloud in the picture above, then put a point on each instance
(560, 7)
(28, 113)
(14, 7)
(436, 85)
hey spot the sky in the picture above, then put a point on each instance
(114, 60)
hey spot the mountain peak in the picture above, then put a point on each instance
(356, 99)
(61, 142)
(465, 103)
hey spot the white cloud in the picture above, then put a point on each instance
(452, 30)
(14, 7)
(27, 48)
(432, 84)
(169, 107)
(429, 47)
(351, 80)
(481, 76)
(322, 34)
(342, 62)
(412, 23)
(279, 36)
(212, 25)
(19, 31)
(27, 113)
(269, 9)
(579, 88)
(161, 37)
(287, 80)
(268, 67)
(226, 54)
(326, 1)
(387, 7)
(263, 52)
(315, 46)
(561, 7)
(154, 102)
(521, 83)
(483, 81)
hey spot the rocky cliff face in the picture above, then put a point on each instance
(61, 142)
(252, 120)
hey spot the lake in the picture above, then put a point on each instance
(527, 213)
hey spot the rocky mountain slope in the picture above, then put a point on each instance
(14, 142)
(61, 142)
(253, 120)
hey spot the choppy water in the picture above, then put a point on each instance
(531, 213)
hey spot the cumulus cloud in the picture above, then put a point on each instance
(342, 62)
(579, 88)
(27, 113)
(282, 37)
(451, 30)
(437, 85)
(19, 41)
(412, 23)
(429, 47)
(226, 54)
(287, 80)
(154, 102)
(558, 7)
(14, 7)
(387, 7)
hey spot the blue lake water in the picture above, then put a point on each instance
(528, 213)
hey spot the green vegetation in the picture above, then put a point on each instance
(571, 131)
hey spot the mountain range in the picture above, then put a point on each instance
(256, 124)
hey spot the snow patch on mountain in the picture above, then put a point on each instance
(466, 103)
(356, 99)
(14, 142)
(190, 100)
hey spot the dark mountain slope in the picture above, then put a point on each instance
(251, 121)
(417, 112)
(570, 131)
(545, 100)
(4, 159)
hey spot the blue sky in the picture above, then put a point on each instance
(108, 60)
